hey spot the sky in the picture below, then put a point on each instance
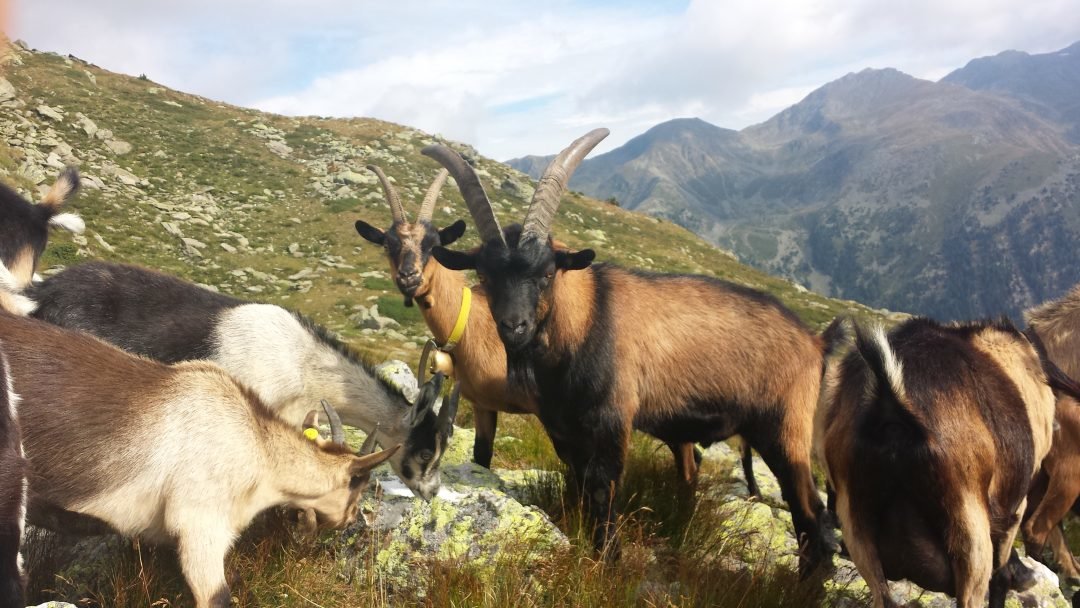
(514, 78)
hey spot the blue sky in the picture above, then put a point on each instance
(515, 78)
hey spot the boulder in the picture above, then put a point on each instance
(50, 113)
(118, 147)
(7, 91)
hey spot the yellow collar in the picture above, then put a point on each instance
(462, 320)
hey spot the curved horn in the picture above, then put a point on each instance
(391, 194)
(549, 191)
(369, 442)
(337, 432)
(428, 206)
(471, 190)
(449, 412)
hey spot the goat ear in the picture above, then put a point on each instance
(362, 465)
(454, 260)
(370, 232)
(452, 232)
(574, 260)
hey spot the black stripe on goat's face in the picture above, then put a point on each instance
(408, 247)
(518, 279)
(425, 444)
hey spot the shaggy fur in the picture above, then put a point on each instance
(172, 454)
(287, 360)
(930, 436)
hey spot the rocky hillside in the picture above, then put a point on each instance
(263, 206)
(904, 193)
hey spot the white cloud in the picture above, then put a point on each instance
(513, 78)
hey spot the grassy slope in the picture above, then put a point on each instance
(190, 150)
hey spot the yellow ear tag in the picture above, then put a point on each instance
(311, 434)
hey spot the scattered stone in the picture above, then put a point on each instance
(88, 126)
(354, 178)
(228, 247)
(103, 134)
(126, 177)
(173, 229)
(50, 113)
(192, 246)
(104, 245)
(118, 147)
(7, 90)
(90, 76)
(280, 148)
(307, 272)
(181, 215)
(160, 154)
(596, 235)
(294, 250)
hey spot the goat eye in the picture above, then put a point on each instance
(427, 455)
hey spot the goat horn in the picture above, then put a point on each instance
(449, 412)
(368, 446)
(428, 206)
(337, 431)
(549, 191)
(396, 210)
(471, 190)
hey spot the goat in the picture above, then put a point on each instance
(287, 360)
(12, 493)
(930, 436)
(24, 232)
(172, 454)
(1056, 489)
(479, 356)
(605, 349)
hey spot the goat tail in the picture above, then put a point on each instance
(16, 302)
(1055, 376)
(65, 187)
(834, 336)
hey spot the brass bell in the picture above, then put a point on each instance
(441, 361)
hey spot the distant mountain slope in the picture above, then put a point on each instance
(1047, 83)
(881, 187)
(263, 206)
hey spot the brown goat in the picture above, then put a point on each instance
(930, 437)
(24, 232)
(479, 356)
(1056, 488)
(605, 350)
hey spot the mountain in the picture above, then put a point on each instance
(262, 206)
(923, 196)
(1048, 83)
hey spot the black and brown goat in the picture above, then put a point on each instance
(179, 454)
(605, 350)
(479, 356)
(24, 232)
(12, 493)
(930, 436)
(287, 360)
(1056, 489)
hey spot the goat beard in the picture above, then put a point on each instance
(521, 370)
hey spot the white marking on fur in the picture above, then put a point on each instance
(68, 221)
(13, 415)
(894, 369)
(36, 278)
(8, 283)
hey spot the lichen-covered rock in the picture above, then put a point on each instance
(55, 605)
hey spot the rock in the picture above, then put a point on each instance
(596, 235)
(91, 182)
(192, 246)
(294, 250)
(279, 148)
(124, 176)
(180, 215)
(228, 247)
(55, 605)
(160, 154)
(104, 245)
(376, 321)
(306, 272)
(354, 178)
(88, 126)
(50, 113)
(7, 90)
(118, 147)
(104, 134)
(173, 229)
